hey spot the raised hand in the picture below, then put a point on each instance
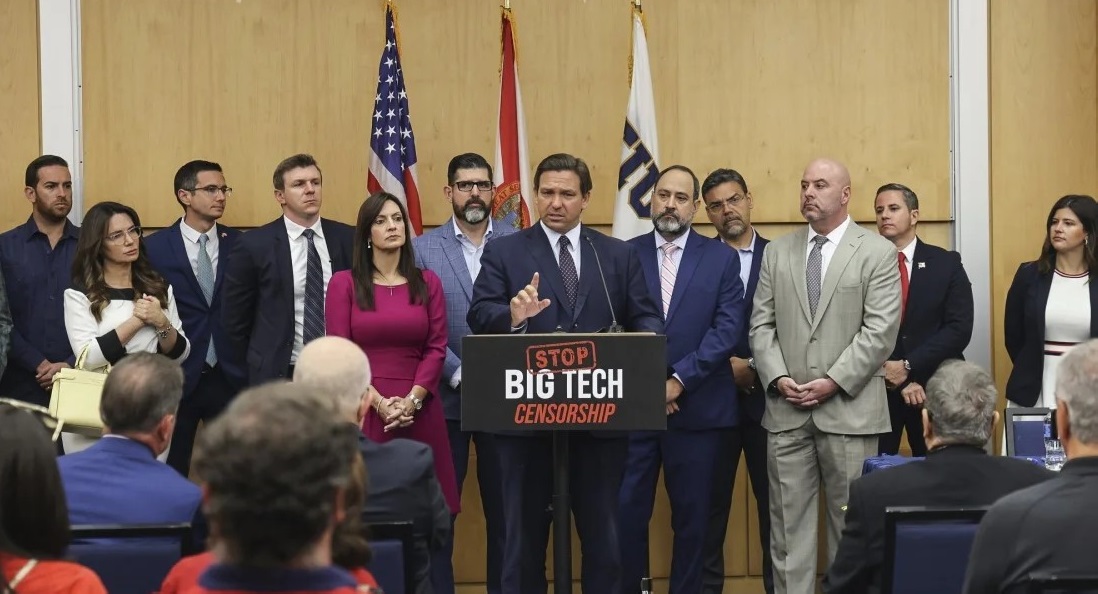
(526, 304)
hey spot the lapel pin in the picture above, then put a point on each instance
(922, 264)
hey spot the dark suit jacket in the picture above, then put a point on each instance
(1049, 528)
(258, 294)
(401, 485)
(510, 262)
(937, 324)
(201, 321)
(753, 404)
(704, 319)
(1024, 331)
(119, 481)
(954, 476)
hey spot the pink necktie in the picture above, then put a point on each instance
(667, 275)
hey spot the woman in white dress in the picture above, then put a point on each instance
(118, 304)
(1050, 302)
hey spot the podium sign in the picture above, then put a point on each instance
(529, 382)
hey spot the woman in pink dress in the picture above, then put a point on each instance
(397, 314)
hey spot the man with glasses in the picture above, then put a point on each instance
(728, 203)
(191, 255)
(36, 259)
(469, 191)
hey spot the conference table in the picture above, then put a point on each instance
(888, 461)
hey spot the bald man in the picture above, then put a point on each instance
(825, 318)
(400, 474)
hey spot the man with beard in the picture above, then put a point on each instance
(728, 203)
(36, 259)
(697, 281)
(825, 318)
(469, 191)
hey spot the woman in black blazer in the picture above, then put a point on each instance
(1052, 304)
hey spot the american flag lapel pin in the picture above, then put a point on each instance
(922, 264)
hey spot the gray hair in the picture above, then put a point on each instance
(139, 392)
(1076, 379)
(335, 368)
(960, 401)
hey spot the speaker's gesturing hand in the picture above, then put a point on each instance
(526, 304)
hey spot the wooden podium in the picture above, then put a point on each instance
(560, 383)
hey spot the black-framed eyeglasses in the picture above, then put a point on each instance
(719, 205)
(41, 413)
(120, 236)
(213, 190)
(467, 186)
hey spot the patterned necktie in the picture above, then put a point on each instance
(568, 271)
(206, 283)
(667, 274)
(905, 283)
(814, 272)
(313, 326)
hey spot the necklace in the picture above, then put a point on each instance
(387, 282)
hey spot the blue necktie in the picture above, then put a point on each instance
(568, 271)
(206, 283)
(313, 323)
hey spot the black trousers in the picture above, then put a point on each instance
(903, 416)
(212, 394)
(749, 438)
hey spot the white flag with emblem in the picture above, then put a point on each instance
(639, 152)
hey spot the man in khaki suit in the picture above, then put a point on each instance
(825, 318)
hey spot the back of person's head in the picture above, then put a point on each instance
(1077, 390)
(960, 403)
(338, 369)
(273, 467)
(34, 520)
(140, 392)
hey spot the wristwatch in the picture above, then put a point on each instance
(751, 363)
(162, 333)
(907, 365)
(416, 401)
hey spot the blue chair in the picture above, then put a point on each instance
(131, 559)
(1025, 431)
(391, 549)
(918, 538)
(1049, 584)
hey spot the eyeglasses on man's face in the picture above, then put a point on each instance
(120, 236)
(719, 205)
(41, 413)
(467, 186)
(212, 190)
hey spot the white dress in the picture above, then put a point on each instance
(1067, 323)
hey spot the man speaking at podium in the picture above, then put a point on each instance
(560, 276)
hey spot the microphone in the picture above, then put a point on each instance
(614, 326)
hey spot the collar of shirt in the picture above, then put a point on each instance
(30, 229)
(909, 251)
(573, 236)
(834, 237)
(192, 235)
(294, 230)
(750, 249)
(460, 235)
(679, 241)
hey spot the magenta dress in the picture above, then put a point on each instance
(406, 345)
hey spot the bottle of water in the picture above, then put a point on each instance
(1054, 450)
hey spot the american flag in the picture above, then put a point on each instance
(392, 145)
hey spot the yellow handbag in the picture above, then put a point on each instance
(76, 395)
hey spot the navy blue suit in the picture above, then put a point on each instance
(440, 251)
(750, 438)
(258, 306)
(526, 465)
(704, 321)
(206, 390)
(936, 325)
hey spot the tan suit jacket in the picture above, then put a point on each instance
(854, 330)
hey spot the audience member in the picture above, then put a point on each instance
(826, 316)
(118, 479)
(958, 419)
(274, 470)
(36, 262)
(191, 255)
(1051, 528)
(34, 523)
(277, 276)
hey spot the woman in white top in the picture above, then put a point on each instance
(1049, 307)
(118, 304)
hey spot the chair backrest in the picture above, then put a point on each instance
(1025, 431)
(1050, 584)
(917, 538)
(391, 548)
(131, 559)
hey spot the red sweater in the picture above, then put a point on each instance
(52, 577)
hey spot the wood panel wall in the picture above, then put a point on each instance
(20, 134)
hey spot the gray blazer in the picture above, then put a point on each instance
(856, 324)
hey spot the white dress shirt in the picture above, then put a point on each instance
(469, 251)
(574, 249)
(676, 258)
(828, 248)
(299, 259)
(909, 254)
(190, 243)
(747, 256)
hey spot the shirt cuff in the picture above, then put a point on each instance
(520, 329)
(455, 380)
(111, 347)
